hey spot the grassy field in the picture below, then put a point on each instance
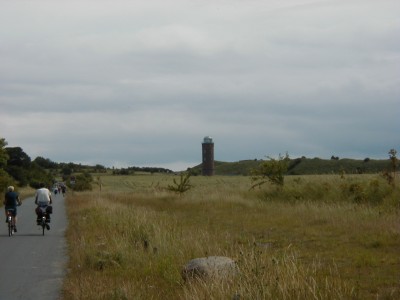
(320, 237)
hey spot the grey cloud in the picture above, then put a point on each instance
(142, 83)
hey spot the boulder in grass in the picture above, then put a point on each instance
(209, 267)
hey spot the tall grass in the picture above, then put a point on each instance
(311, 240)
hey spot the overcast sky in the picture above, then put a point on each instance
(141, 83)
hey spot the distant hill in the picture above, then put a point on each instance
(305, 166)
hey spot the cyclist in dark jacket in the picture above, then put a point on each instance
(11, 201)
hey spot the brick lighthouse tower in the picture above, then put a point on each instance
(208, 156)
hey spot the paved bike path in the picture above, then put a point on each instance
(32, 265)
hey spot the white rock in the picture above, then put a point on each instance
(209, 267)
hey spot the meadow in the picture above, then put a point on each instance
(318, 237)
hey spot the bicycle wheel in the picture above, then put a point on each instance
(43, 226)
(10, 228)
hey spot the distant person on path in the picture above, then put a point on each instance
(11, 201)
(43, 200)
(63, 189)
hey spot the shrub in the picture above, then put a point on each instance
(272, 171)
(391, 175)
(5, 181)
(83, 182)
(183, 185)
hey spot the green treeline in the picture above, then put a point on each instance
(18, 169)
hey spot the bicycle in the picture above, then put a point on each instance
(45, 218)
(10, 219)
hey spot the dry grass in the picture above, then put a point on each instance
(130, 240)
(25, 192)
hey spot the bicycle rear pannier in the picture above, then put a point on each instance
(49, 209)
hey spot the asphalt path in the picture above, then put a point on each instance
(32, 265)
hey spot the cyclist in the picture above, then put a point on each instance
(43, 200)
(11, 201)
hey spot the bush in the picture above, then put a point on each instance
(83, 182)
(5, 181)
(19, 174)
(182, 186)
(366, 192)
(272, 171)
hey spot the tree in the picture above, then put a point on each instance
(82, 182)
(19, 174)
(66, 171)
(17, 157)
(18, 165)
(183, 185)
(272, 170)
(45, 163)
(3, 153)
(100, 168)
(38, 175)
(5, 178)
(394, 163)
(99, 182)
